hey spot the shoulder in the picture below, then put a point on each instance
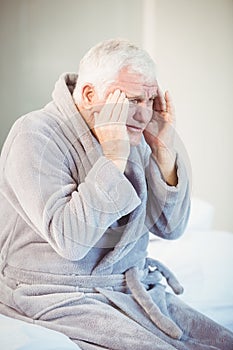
(40, 122)
(30, 131)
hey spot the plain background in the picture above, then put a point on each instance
(190, 40)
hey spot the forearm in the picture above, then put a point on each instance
(70, 212)
(166, 161)
(167, 206)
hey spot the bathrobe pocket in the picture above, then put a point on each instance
(37, 300)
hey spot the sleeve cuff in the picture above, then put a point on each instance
(163, 190)
(113, 192)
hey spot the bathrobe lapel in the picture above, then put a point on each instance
(77, 132)
(133, 227)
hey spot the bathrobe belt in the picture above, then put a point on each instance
(135, 280)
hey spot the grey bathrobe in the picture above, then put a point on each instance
(74, 236)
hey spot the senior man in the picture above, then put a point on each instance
(83, 182)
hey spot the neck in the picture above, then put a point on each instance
(87, 115)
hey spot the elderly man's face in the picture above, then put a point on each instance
(141, 97)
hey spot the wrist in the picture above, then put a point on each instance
(166, 160)
(119, 162)
(164, 156)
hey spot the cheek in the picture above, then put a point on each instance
(132, 109)
(143, 112)
(135, 139)
(149, 114)
(131, 112)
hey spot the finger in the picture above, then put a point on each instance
(156, 106)
(117, 108)
(124, 111)
(107, 110)
(169, 104)
(161, 100)
(113, 96)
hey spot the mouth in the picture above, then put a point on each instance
(134, 129)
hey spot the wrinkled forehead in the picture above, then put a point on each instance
(134, 84)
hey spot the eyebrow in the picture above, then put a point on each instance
(140, 97)
(136, 97)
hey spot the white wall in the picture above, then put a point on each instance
(40, 39)
(192, 43)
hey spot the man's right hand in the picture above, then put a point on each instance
(111, 131)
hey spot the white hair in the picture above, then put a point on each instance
(103, 62)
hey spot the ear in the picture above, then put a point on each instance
(88, 95)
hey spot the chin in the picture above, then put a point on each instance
(135, 140)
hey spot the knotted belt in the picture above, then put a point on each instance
(144, 299)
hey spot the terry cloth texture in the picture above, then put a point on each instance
(74, 237)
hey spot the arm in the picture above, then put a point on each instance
(168, 185)
(168, 206)
(160, 134)
(69, 210)
(110, 129)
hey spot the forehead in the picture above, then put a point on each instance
(134, 84)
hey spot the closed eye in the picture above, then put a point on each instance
(135, 100)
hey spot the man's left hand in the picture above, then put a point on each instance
(160, 135)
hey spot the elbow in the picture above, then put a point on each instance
(174, 230)
(171, 227)
(63, 233)
(175, 233)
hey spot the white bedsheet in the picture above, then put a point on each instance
(203, 262)
(19, 335)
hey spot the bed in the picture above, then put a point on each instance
(202, 259)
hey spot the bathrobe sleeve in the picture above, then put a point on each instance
(168, 207)
(71, 216)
